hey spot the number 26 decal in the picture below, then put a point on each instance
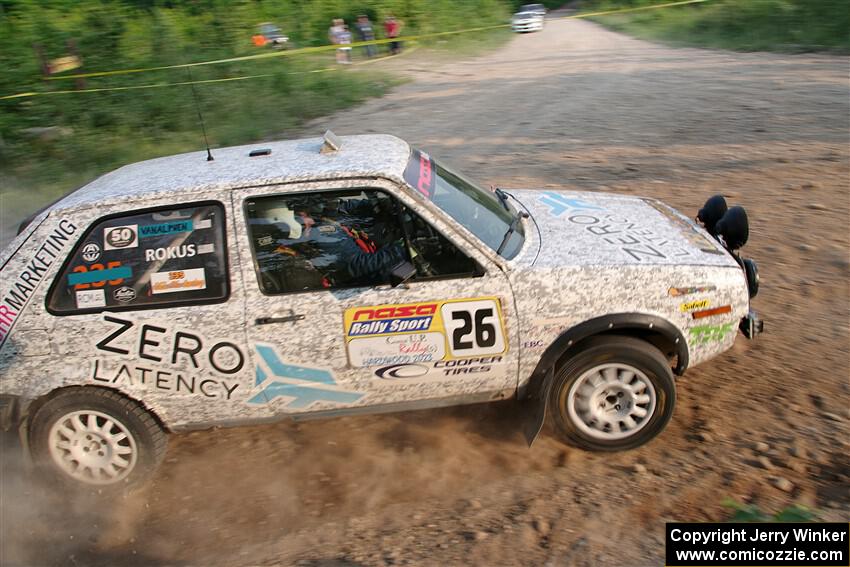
(473, 328)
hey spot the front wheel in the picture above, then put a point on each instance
(96, 438)
(616, 393)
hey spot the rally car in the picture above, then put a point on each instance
(332, 276)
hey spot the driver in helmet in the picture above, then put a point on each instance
(361, 236)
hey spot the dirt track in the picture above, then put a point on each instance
(577, 107)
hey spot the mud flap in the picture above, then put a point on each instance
(535, 414)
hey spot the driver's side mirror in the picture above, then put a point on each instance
(401, 272)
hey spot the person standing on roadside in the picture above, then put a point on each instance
(337, 34)
(365, 33)
(392, 29)
(345, 42)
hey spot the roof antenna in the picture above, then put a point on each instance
(200, 117)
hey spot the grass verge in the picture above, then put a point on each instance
(790, 26)
(94, 133)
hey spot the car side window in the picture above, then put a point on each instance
(338, 239)
(434, 256)
(146, 259)
(332, 239)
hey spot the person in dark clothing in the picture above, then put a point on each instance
(365, 33)
(348, 230)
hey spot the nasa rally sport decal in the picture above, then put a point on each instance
(415, 333)
(118, 237)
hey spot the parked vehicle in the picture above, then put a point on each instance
(270, 35)
(527, 22)
(538, 9)
(326, 277)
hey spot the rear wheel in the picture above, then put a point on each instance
(96, 438)
(616, 393)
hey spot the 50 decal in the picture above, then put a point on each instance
(118, 237)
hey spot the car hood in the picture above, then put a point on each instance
(580, 228)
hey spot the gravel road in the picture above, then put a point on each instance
(578, 107)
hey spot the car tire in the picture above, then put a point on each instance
(616, 393)
(95, 438)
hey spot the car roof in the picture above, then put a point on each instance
(294, 160)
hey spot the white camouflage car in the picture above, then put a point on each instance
(334, 276)
(527, 22)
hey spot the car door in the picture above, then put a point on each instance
(145, 303)
(329, 333)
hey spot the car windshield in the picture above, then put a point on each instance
(481, 212)
(532, 7)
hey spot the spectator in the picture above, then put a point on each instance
(365, 33)
(339, 35)
(392, 29)
(345, 41)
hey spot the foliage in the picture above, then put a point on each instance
(550, 4)
(100, 131)
(751, 513)
(753, 25)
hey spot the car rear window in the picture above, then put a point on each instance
(146, 259)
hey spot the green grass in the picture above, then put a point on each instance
(467, 45)
(107, 129)
(743, 25)
(751, 513)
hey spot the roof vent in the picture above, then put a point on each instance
(332, 143)
(260, 152)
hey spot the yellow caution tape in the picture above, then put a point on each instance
(287, 53)
(638, 9)
(206, 81)
(153, 86)
(299, 51)
(321, 48)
